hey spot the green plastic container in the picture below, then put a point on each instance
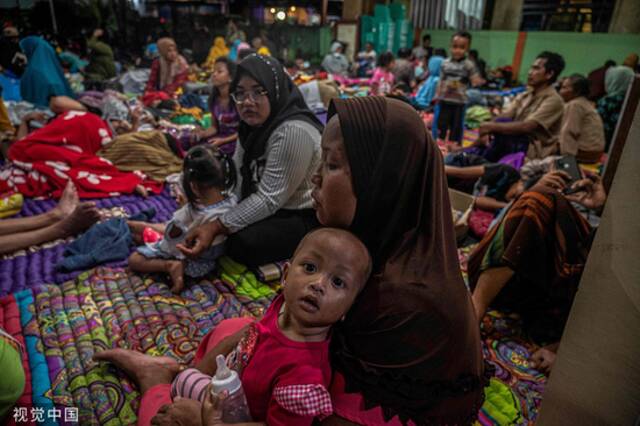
(397, 11)
(382, 13)
(403, 35)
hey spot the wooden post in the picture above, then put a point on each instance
(621, 133)
(596, 377)
(325, 7)
(517, 55)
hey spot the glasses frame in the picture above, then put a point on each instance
(250, 96)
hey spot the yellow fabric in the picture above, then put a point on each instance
(147, 152)
(264, 51)
(10, 205)
(5, 123)
(218, 49)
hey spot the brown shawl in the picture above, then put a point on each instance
(546, 242)
(411, 342)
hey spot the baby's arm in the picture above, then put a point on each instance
(207, 364)
(192, 383)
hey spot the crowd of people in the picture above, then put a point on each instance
(374, 323)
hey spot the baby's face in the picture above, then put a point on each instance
(325, 276)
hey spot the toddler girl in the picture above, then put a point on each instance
(283, 359)
(383, 78)
(207, 177)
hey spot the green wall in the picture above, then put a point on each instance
(582, 52)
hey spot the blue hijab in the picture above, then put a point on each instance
(428, 89)
(43, 77)
(233, 53)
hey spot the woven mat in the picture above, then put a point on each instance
(36, 265)
(63, 326)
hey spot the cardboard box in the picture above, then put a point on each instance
(462, 203)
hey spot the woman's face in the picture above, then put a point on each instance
(333, 196)
(220, 75)
(566, 90)
(255, 108)
(172, 54)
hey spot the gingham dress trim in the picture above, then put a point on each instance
(304, 400)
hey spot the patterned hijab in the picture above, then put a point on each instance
(411, 342)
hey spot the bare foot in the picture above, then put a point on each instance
(147, 371)
(141, 190)
(82, 217)
(182, 412)
(68, 202)
(175, 268)
(544, 358)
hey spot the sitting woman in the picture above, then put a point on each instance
(409, 349)
(225, 120)
(336, 62)
(582, 132)
(532, 260)
(102, 64)
(219, 49)
(168, 73)
(617, 80)
(278, 152)
(43, 82)
(427, 90)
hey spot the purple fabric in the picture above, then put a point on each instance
(38, 267)
(515, 160)
(322, 116)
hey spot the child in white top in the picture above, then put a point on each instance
(207, 177)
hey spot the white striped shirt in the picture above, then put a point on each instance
(291, 157)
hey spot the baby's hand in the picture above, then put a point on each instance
(212, 408)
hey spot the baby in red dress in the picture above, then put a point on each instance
(283, 359)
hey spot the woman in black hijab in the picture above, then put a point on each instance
(278, 153)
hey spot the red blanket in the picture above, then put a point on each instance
(43, 162)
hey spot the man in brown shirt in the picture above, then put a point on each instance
(531, 123)
(582, 131)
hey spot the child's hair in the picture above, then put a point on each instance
(343, 233)
(232, 67)
(440, 52)
(463, 34)
(404, 53)
(385, 59)
(206, 167)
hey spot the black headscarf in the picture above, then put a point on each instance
(286, 103)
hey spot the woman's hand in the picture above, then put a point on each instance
(200, 239)
(212, 410)
(182, 412)
(35, 116)
(555, 180)
(589, 192)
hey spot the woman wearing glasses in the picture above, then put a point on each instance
(279, 151)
